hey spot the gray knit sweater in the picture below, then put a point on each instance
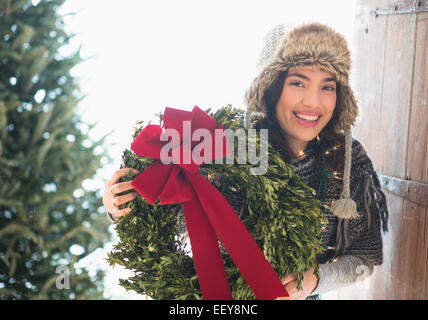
(354, 245)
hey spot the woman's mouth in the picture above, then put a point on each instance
(307, 119)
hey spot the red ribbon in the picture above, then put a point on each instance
(208, 215)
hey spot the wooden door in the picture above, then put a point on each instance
(390, 81)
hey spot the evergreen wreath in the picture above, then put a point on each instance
(277, 208)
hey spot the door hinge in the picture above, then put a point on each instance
(414, 191)
(404, 7)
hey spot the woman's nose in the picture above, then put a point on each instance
(312, 98)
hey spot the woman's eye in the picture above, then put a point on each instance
(330, 88)
(297, 84)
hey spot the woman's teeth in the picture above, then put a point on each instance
(307, 118)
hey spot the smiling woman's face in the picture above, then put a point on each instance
(306, 105)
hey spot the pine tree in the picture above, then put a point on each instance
(45, 155)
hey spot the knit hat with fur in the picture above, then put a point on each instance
(311, 45)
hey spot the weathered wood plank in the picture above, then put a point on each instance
(367, 74)
(396, 101)
(417, 164)
(410, 264)
(417, 152)
(425, 252)
(422, 92)
(397, 89)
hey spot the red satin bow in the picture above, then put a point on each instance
(208, 215)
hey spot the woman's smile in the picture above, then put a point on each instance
(307, 119)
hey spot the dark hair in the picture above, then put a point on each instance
(328, 136)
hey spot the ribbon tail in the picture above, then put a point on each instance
(238, 242)
(206, 253)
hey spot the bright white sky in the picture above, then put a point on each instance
(153, 54)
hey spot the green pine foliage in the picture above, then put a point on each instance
(45, 155)
(282, 215)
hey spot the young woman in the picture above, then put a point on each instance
(302, 95)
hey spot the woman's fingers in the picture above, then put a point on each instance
(119, 200)
(120, 213)
(121, 187)
(111, 201)
(121, 173)
(291, 288)
(290, 277)
(293, 292)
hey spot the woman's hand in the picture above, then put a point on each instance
(309, 283)
(110, 199)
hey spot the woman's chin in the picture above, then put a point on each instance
(308, 138)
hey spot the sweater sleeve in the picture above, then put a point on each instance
(345, 271)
